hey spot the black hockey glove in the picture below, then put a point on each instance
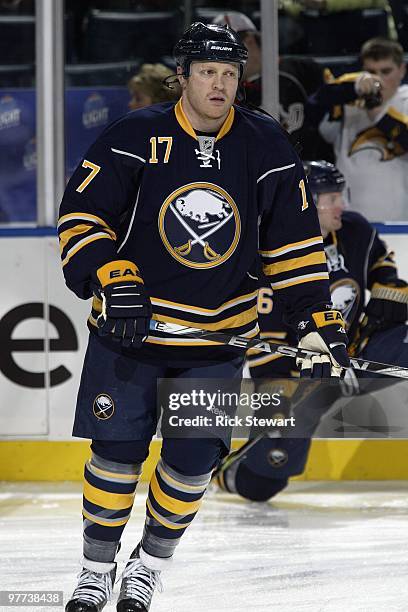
(388, 304)
(126, 307)
(325, 333)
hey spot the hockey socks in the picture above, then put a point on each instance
(109, 490)
(172, 504)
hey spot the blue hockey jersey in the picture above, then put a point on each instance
(356, 259)
(195, 213)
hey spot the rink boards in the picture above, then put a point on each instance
(43, 338)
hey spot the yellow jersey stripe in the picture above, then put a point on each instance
(279, 335)
(381, 264)
(180, 342)
(83, 243)
(253, 363)
(227, 125)
(66, 236)
(392, 112)
(80, 216)
(313, 259)
(187, 127)
(255, 351)
(238, 320)
(207, 312)
(292, 246)
(183, 120)
(111, 501)
(349, 77)
(297, 280)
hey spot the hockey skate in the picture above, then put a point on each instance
(138, 585)
(92, 592)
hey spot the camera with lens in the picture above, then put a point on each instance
(374, 98)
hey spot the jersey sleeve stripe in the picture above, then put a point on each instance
(78, 216)
(293, 246)
(312, 259)
(275, 170)
(128, 154)
(297, 280)
(70, 235)
(66, 236)
(82, 243)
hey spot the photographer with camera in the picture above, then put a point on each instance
(364, 115)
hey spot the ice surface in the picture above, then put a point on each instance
(319, 547)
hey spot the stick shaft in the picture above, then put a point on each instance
(267, 346)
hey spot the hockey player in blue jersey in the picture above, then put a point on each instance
(163, 219)
(357, 260)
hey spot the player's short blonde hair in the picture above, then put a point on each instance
(150, 79)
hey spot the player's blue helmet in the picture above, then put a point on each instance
(323, 177)
(213, 43)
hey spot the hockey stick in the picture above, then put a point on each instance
(242, 451)
(266, 346)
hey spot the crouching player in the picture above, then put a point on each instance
(357, 260)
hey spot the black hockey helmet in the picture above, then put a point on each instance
(213, 43)
(323, 177)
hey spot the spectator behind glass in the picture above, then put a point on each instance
(298, 77)
(365, 116)
(148, 86)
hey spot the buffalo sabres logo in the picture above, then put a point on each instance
(200, 225)
(374, 142)
(277, 457)
(345, 295)
(103, 407)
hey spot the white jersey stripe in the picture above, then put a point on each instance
(131, 222)
(297, 247)
(275, 170)
(82, 243)
(299, 279)
(128, 154)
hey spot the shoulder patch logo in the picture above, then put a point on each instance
(200, 225)
(103, 406)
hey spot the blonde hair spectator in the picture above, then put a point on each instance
(147, 86)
